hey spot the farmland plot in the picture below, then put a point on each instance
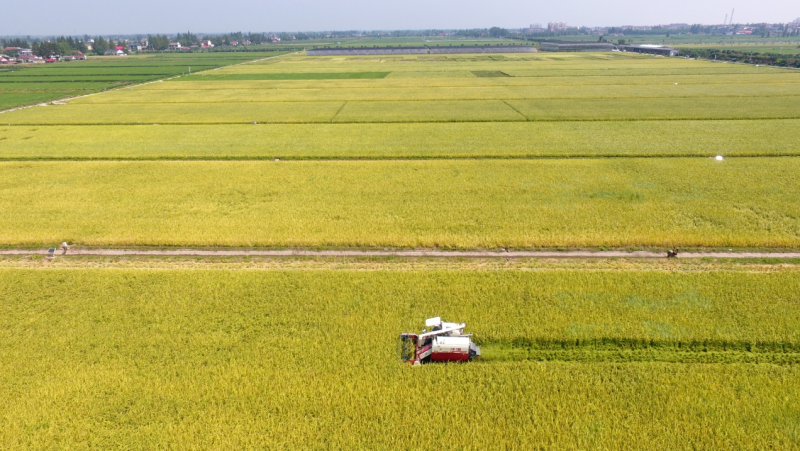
(403, 140)
(23, 85)
(565, 151)
(287, 359)
(453, 204)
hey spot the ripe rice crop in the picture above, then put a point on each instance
(199, 81)
(84, 112)
(398, 141)
(663, 108)
(460, 204)
(378, 93)
(296, 76)
(288, 359)
(422, 111)
(166, 113)
(413, 111)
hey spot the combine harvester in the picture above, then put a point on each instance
(446, 342)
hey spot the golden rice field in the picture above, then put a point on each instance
(553, 151)
(305, 358)
(541, 111)
(403, 141)
(748, 202)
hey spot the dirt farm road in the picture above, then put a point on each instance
(199, 252)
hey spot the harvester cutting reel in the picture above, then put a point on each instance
(446, 342)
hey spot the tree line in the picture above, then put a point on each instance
(769, 59)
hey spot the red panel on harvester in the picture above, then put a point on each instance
(450, 349)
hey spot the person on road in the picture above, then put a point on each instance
(64, 248)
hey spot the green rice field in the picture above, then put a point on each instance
(41, 83)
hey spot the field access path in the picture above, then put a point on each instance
(199, 252)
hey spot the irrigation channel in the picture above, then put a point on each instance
(395, 253)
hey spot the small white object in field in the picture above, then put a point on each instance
(676, 83)
(254, 123)
(719, 158)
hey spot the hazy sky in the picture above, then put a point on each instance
(151, 16)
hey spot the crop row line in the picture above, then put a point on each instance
(181, 124)
(406, 100)
(428, 86)
(410, 157)
(346, 122)
(431, 253)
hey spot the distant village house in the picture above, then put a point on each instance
(118, 51)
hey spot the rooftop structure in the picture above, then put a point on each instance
(421, 50)
(649, 49)
(557, 46)
(369, 51)
(486, 49)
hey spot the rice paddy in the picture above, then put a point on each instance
(451, 204)
(284, 359)
(517, 151)
(27, 85)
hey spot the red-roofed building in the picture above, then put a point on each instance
(29, 59)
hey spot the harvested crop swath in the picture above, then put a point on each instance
(462, 204)
(237, 359)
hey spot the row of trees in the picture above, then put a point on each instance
(16, 42)
(61, 46)
(771, 59)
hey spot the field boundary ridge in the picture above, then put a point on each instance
(427, 253)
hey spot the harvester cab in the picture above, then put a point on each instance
(446, 342)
